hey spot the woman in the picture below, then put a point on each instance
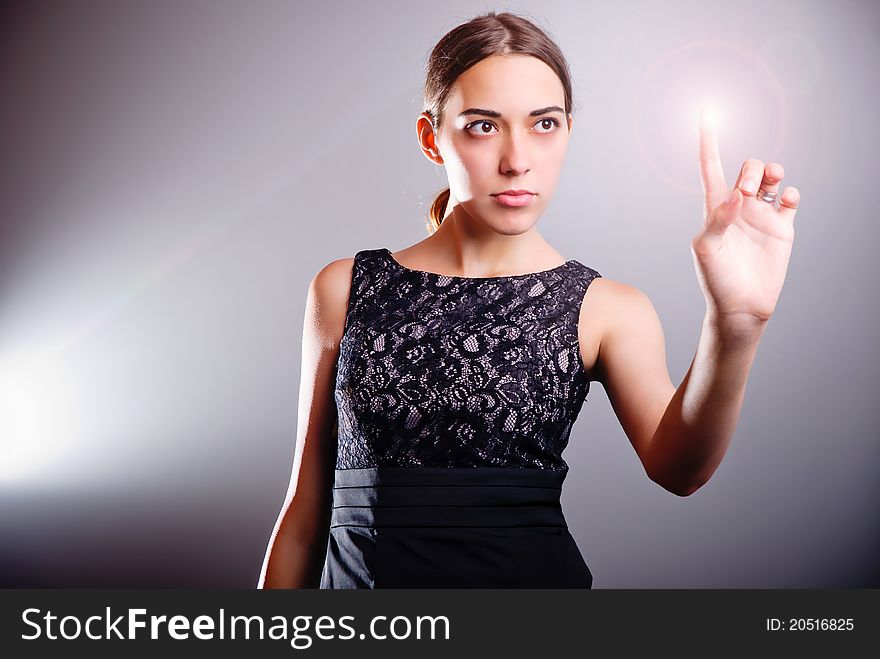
(458, 365)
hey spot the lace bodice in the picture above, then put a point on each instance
(443, 371)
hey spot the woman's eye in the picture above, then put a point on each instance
(481, 124)
(552, 121)
(482, 130)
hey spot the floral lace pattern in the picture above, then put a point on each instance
(443, 371)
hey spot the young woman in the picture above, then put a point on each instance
(440, 382)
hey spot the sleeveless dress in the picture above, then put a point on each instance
(455, 398)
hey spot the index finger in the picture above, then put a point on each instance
(711, 172)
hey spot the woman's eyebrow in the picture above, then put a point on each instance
(497, 115)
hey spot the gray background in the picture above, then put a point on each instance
(174, 173)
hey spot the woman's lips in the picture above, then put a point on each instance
(514, 200)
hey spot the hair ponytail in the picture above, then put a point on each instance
(438, 210)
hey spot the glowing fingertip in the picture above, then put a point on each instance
(711, 115)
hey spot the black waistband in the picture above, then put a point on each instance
(439, 496)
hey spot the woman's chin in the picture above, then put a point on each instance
(513, 225)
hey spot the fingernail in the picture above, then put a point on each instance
(749, 186)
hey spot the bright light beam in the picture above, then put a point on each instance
(35, 411)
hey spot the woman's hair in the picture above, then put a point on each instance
(469, 43)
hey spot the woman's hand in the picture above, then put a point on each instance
(741, 253)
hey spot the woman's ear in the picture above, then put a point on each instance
(428, 138)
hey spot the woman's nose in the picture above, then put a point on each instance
(514, 158)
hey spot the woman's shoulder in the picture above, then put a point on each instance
(610, 300)
(612, 310)
(334, 278)
(614, 291)
(328, 298)
(615, 307)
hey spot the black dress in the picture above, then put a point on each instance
(455, 398)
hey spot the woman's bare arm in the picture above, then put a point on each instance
(682, 433)
(698, 424)
(741, 254)
(297, 549)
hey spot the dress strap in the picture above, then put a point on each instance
(366, 277)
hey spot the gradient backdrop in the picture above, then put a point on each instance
(173, 174)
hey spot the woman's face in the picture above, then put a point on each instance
(501, 142)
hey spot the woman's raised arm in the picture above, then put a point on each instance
(741, 255)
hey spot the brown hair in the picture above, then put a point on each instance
(469, 43)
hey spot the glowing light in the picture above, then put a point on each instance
(35, 405)
(711, 114)
(747, 100)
